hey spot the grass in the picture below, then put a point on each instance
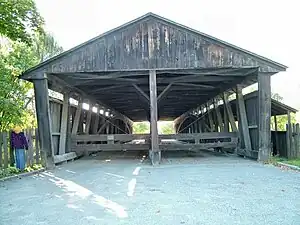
(294, 162)
(10, 171)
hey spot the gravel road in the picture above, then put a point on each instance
(207, 189)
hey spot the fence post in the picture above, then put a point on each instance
(297, 140)
(37, 147)
(5, 149)
(288, 144)
(30, 148)
(0, 150)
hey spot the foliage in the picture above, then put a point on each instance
(11, 171)
(294, 162)
(45, 46)
(141, 128)
(16, 57)
(12, 90)
(19, 19)
(166, 128)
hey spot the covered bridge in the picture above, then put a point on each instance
(150, 69)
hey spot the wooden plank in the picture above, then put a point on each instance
(44, 120)
(37, 147)
(210, 120)
(88, 120)
(64, 124)
(288, 143)
(226, 121)
(290, 133)
(141, 92)
(164, 93)
(65, 157)
(297, 140)
(110, 147)
(229, 113)
(276, 136)
(243, 119)
(155, 154)
(29, 152)
(96, 123)
(5, 149)
(219, 117)
(264, 116)
(77, 118)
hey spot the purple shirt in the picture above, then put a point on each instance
(18, 141)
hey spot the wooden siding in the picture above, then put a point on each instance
(151, 43)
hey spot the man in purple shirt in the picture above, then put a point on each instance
(19, 142)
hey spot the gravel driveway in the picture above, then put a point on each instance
(206, 189)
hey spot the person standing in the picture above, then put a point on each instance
(19, 143)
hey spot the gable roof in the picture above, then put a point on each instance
(150, 15)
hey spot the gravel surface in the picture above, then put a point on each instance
(207, 189)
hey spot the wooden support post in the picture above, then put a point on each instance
(44, 120)
(243, 120)
(77, 118)
(155, 153)
(276, 136)
(211, 124)
(226, 121)
(294, 141)
(288, 140)
(229, 113)
(264, 115)
(297, 140)
(88, 119)
(219, 116)
(64, 124)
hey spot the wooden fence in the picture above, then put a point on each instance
(293, 140)
(7, 156)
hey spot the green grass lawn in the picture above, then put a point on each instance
(295, 162)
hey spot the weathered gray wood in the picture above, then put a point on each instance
(141, 92)
(37, 147)
(264, 116)
(29, 152)
(1, 149)
(288, 141)
(96, 123)
(43, 118)
(88, 119)
(211, 124)
(64, 125)
(65, 157)
(297, 140)
(276, 136)
(226, 121)
(155, 153)
(229, 113)
(243, 119)
(164, 93)
(77, 117)
(219, 117)
(5, 149)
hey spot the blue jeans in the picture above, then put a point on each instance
(20, 159)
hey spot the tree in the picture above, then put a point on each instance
(16, 57)
(19, 19)
(281, 120)
(45, 46)
(141, 128)
(12, 90)
(167, 128)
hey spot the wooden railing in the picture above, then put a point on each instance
(183, 141)
(33, 155)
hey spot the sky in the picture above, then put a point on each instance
(265, 27)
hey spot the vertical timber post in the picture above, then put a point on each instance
(276, 136)
(44, 120)
(155, 154)
(243, 120)
(64, 124)
(264, 114)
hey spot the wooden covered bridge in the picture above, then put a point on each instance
(153, 69)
